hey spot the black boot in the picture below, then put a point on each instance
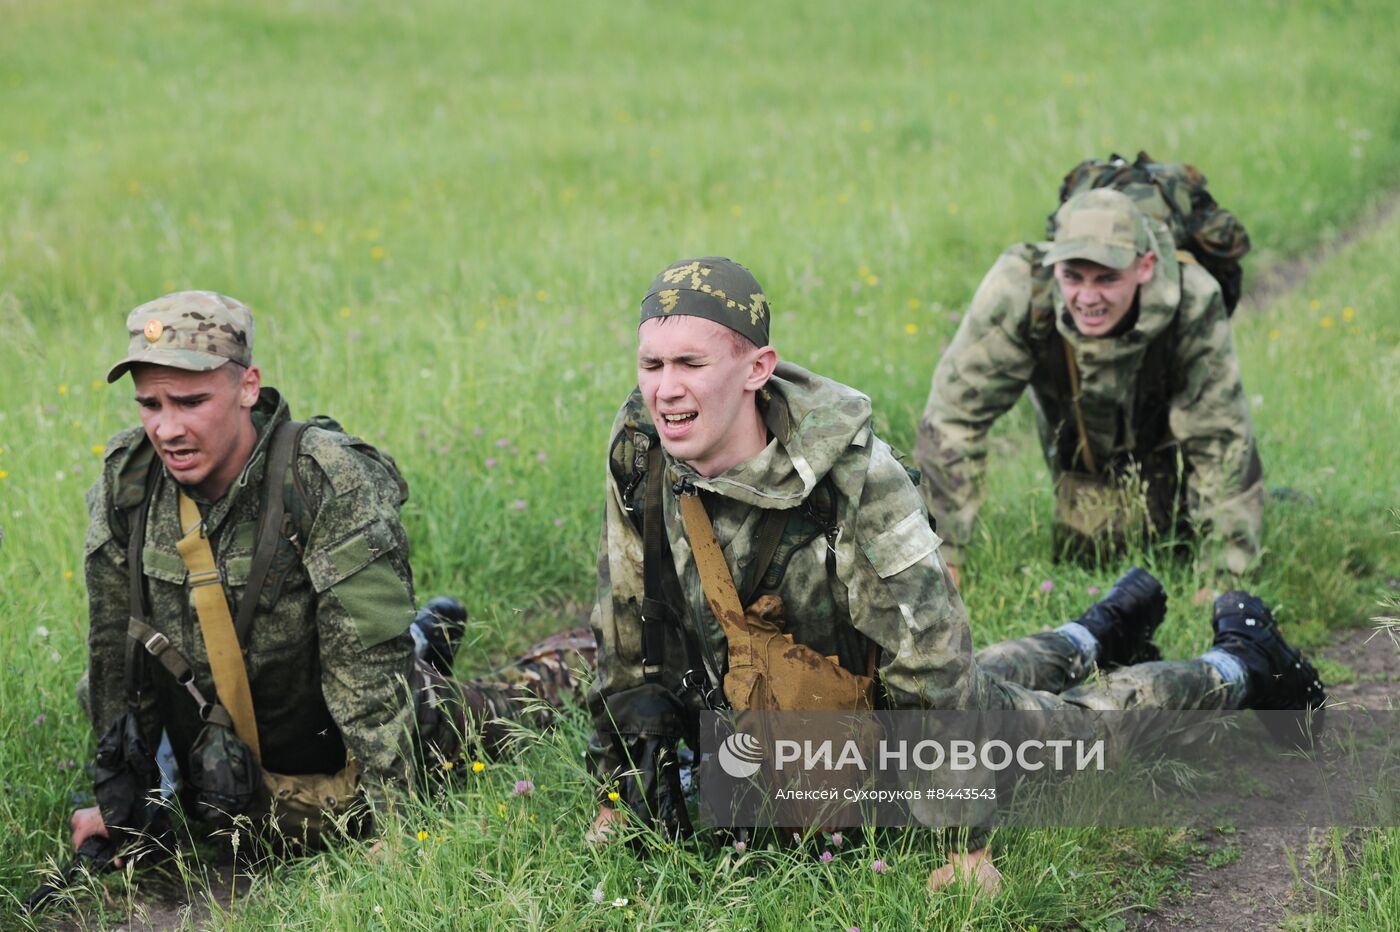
(1277, 677)
(440, 625)
(1124, 620)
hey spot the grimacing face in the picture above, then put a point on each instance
(1099, 297)
(199, 422)
(699, 391)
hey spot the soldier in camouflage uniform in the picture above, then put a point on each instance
(329, 655)
(1132, 372)
(863, 576)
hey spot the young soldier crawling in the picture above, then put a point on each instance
(745, 495)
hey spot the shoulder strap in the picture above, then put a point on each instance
(1086, 454)
(770, 534)
(216, 624)
(283, 444)
(136, 608)
(655, 612)
(716, 580)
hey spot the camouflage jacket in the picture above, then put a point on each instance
(1001, 348)
(328, 652)
(884, 581)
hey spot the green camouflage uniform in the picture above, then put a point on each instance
(878, 578)
(328, 654)
(1003, 345)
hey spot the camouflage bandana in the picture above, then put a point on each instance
(1101, 225)
(717, 289)
(193, 330)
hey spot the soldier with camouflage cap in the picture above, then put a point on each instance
(862, 577)
(1127, 352)
(330, 655)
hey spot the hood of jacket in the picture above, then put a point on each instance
(812, 422)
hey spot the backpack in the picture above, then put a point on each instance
(1175, 194)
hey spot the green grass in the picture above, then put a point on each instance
(444, 216)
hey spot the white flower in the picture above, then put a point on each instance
(598, 894)
(621, 901)
(42, 631)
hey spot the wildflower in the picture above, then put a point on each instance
(542, 296)
(1326, 323)
(911, 328)
(503, 442)
(371, 234)
(1274, 334)
(378, 909)
(867, 126)
(501, 810)
(21, 157)
(98, 385)
(514, 451)
(478, 766)
(598, 894)
(1048, 586)
(63, 389)
(1093, 590)
(953, 208)
(1348, 313)
(55, 656)
(558, 522)
(739, 847)
(3, 474)
(448, 765)
(524, 787)
(490, 462)
(42, 631)
(621, 901)
(345, 312)
(614, 796)
(912, 304)
(98, 449)
(40, 719)
(67, 764)
(827, 857)
(444, 450)
(422, 835)
(319, 228)
(1314, 304)
(853, 929)
(377, 253)
(518, 504)
(439, 838)
(540, 457)
(879, 866)
(736, 211)
(872, 280)
(477, 432)
(836, 839)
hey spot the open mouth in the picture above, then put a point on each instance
(678, 425)
(179, 459)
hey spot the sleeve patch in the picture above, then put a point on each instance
(377, 602)
(329, 567)
(158, 564)
(903, 545)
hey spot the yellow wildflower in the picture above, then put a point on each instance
(377, 253)
(1348, 313)
(911, 329)
(872, 280)
(318, 228)
(63, 389)
(1314, 304)
(736, 211)
(542, 296)
(863, 271)
(371, 234)
(98, 385)
(613, 797)
(1325, 323)
(3, 474)
(867, 126)
(168, 285)
(422, 835)
(21, 157)
(912, 304)
(133, 187)
(478, 766)
(448, 765)
(953, 208)
(1274, 334)
(67, 574)
(345, 312)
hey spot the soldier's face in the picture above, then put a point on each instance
(700, 391)
(199, 422)
(1097, 296)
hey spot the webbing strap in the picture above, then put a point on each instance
(283, 443)
(216, 624)
(717, 582)
(159, 647)
(136, 593)
(1085, 452)
(766, 539)
(655, 612)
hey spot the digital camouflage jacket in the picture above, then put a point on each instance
(1199, 406)
(328, 653)
(876, 576)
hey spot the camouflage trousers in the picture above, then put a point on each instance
(457, 716)
(1046, 672)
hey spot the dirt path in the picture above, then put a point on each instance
(1259, 890)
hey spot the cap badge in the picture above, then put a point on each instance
(154, 328)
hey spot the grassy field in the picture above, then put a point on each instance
(445, 215)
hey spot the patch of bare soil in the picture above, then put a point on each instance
(1247, 880)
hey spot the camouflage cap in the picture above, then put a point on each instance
(1101, 225)
(194, 330)
(717, 289)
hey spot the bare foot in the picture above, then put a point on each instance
(968, 867)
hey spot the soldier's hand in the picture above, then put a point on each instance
(957, 577)
(87, 823)
(1204, 596)
(973, 867)
(607, 822)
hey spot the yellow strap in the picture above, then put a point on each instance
(1078, 416)
(715, 579)
(215, 622)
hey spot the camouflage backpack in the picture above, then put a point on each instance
(1175, 194)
